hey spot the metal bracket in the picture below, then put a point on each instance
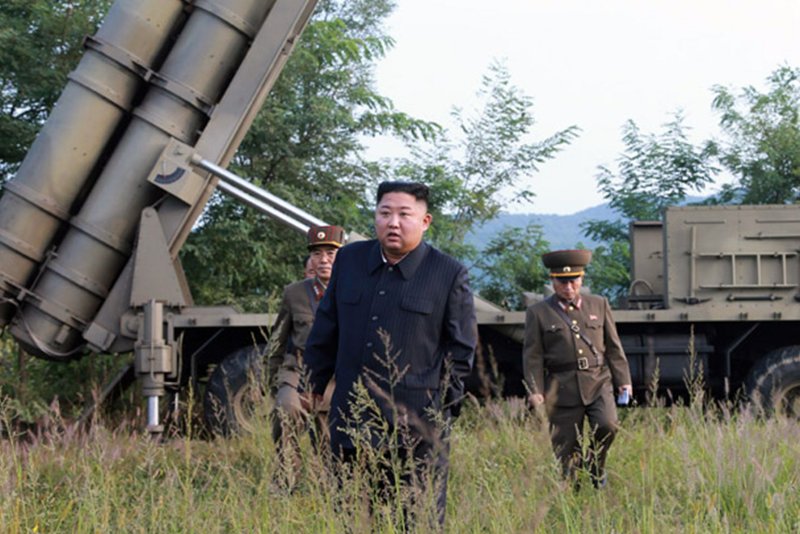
(154, 274)
(753, 298)
(173, 173)
(692, 301)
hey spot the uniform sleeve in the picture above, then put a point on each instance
(615, 355)
(276, 348)
(323, 340)
(533, 354)
(461, 327)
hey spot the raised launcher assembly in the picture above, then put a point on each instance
(158, 73)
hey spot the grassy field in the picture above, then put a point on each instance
(677, 469)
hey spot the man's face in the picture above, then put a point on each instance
(400, 221)
(321, 259)
(567, 288)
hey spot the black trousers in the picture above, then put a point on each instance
(429, 464)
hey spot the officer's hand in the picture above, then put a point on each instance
(316, 402)
(535, 400)
(626, 387)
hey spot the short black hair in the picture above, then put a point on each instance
(417, 190)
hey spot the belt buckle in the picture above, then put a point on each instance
(583, 364)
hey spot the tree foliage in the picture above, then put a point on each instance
(762, 145)
(476, 170)
(654, 171)
(40, 43)
(510, 264)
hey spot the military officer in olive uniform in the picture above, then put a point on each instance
(573, 361)
(288, 340)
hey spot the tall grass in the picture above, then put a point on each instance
(671, 469)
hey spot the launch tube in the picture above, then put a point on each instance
(85, 120)
(193, 78)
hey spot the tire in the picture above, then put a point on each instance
(773, 384)
(234, 392)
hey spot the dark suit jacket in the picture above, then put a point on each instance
(423, 305)
(549, 342)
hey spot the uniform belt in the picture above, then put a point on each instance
(581, 364)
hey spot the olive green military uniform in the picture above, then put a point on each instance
(288, 342)
(573, 356)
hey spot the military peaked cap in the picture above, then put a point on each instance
(325, 235)
(567, 263)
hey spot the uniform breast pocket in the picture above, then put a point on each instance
(554, 330)
(594, 331)
(415, 304)
(302, 320)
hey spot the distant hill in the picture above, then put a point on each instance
(561, 231)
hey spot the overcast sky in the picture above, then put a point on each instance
(594, 64)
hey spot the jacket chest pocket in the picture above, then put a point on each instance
(554, 330)
(415, 304)
(594, 331)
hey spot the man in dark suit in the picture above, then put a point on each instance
(288, 339)
(398, 317)
(572, 360)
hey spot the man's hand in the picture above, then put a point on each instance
(535, 400)
(624, 395)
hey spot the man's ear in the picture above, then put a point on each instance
(426, 221)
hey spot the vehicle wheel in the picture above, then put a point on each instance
(773, 384)
(234, 392)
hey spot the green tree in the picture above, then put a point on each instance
(476, 170)
(40, 43)
(653, 172)
(510, 264)
(762, 145)
(306, 146)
